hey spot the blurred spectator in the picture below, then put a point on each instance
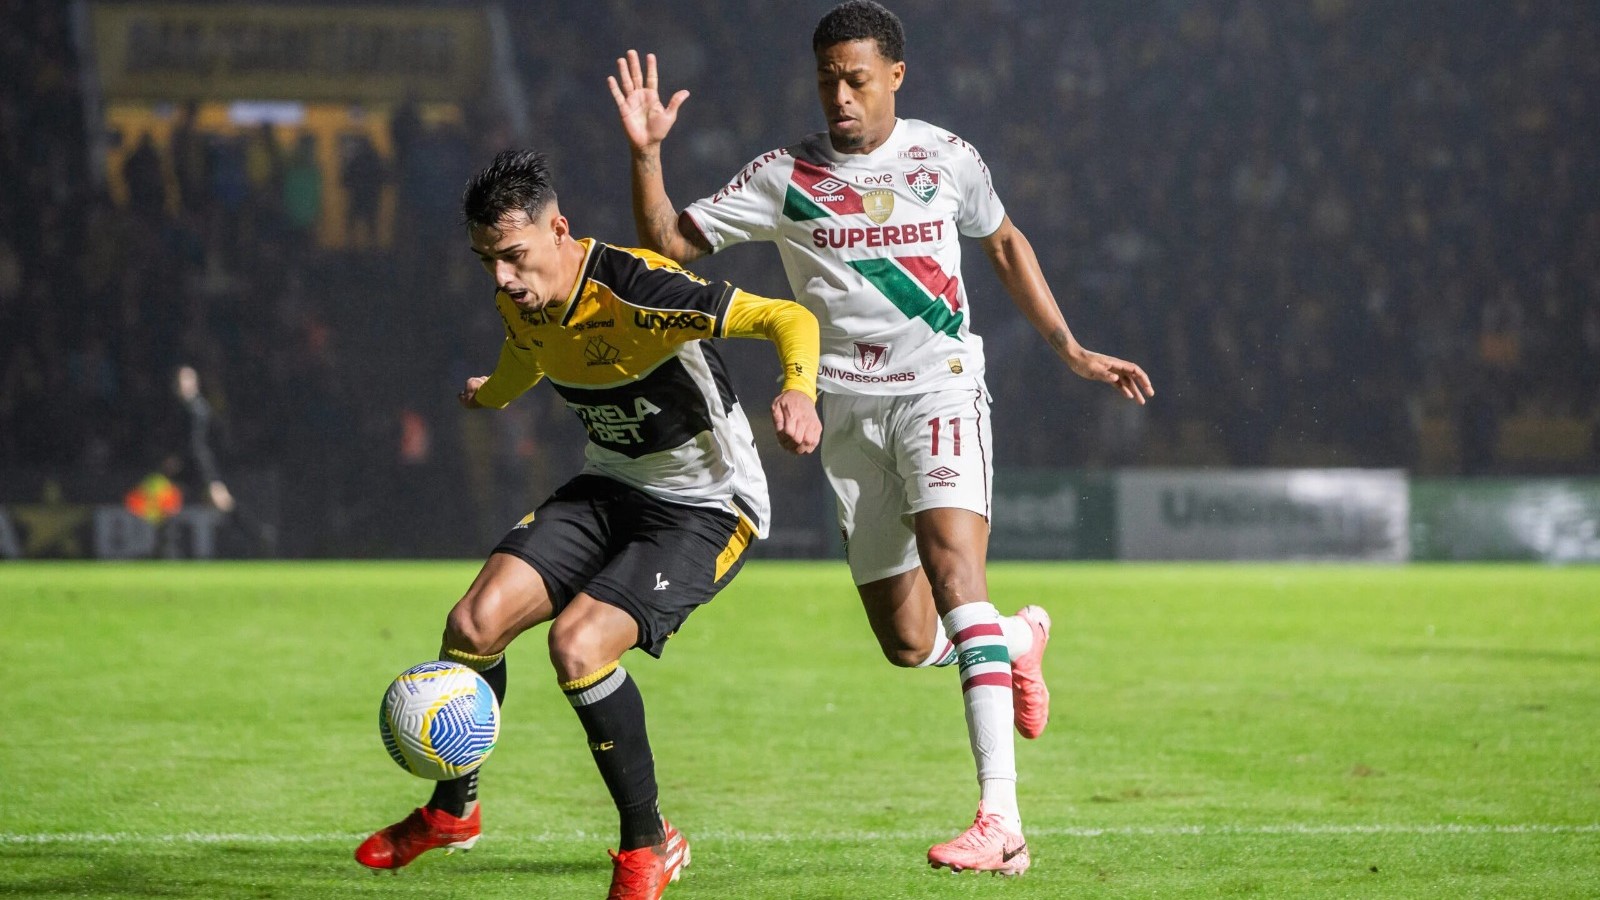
(230, 178)
(302, 187)
(263, 169)
(189, 159)
(147, 185)
(364, 174)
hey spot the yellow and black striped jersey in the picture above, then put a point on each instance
(628, 352)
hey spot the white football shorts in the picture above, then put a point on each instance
(889, 457)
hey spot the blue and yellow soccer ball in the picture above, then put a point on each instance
(439, 720)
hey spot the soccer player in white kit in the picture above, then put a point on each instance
(867, 218)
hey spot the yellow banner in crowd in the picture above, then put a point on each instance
(171, 51)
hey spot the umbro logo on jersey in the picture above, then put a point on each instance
(924, 182)
(661, 583)
(829, 190)
(943, 477)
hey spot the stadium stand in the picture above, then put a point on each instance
(1334, 233)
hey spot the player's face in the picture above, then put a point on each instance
(857, 85)
(528, 259)
(188, 382)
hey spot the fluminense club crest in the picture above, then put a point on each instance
(924, 182)
(871, 357)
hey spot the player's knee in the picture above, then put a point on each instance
(956, 583)
(575, 650)
(903, 655)
(902, 650)
(466, 628)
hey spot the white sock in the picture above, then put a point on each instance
(1019, 635)
(985, 666)
(943, 652)
(1000, 796)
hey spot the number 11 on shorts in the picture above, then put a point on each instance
(955, 435)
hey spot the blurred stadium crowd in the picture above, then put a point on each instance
(1334, 233)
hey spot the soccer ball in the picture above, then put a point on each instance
(439, 720)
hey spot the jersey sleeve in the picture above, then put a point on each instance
(517, 370)
(746, 209)
(789, 326)
(650, 281)
(981, 211)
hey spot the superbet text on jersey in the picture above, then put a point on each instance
(872, 245)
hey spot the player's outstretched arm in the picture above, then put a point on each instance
(517, 370)
(1018, 268)
(794, 331)
(646, 122)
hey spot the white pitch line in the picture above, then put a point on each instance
(1292, 829)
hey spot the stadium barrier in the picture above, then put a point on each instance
(1272, 514)
(1369, 515)
(1555, 520)
(1292, 514)
(1053, 514)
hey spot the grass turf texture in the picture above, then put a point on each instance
(208, 731)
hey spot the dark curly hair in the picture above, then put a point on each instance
(861, 20)
(517, 181)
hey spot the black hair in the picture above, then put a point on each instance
(861, 20)
(517, 181)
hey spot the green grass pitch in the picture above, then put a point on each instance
(209, 731)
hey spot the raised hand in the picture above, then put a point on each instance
(1125, 376)
(644, 119)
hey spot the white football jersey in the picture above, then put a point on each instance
(872, 246)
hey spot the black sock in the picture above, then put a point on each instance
(453, 795)
(612, 713)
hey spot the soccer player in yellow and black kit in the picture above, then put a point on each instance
(657, 522)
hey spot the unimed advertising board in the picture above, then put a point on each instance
(1274, 514)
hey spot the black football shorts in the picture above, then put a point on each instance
(654, 560)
